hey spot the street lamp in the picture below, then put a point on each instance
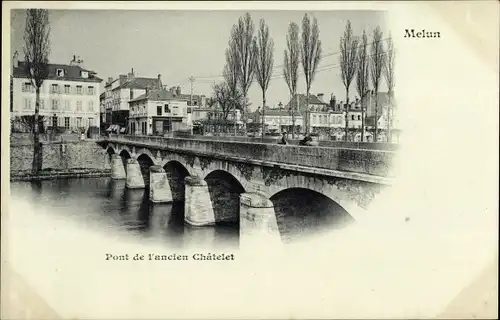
(280, 105)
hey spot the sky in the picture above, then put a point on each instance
(180, 44)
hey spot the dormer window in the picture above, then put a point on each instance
(85, 74)
(60, 72)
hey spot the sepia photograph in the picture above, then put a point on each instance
(157, 153)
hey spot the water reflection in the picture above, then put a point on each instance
(108, 205)
(111, 207)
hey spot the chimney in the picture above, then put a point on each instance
(159, 81)
(15, 60)
(110, 79)
(178, 91)
(320, 97)
(333, 102)
(147, 90)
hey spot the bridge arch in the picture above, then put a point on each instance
(301, 211)
(107, 156)
(224, 189)
(125, 155)
(145, 162)
(176, 172)
(110, 150)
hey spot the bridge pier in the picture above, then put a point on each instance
(134, 175)
(258, 224)
(117, 168)
(159, 190)
(198, 210)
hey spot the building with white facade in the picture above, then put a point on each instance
(118, 92)
(69, 97)
(158, 112)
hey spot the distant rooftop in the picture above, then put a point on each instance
(70, 72)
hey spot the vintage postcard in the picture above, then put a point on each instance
(260, 160)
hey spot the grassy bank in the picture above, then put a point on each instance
(48, 174)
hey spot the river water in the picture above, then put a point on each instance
(107, 205)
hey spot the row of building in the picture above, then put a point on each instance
(71, 100)
(329, 118)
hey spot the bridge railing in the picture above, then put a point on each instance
(373, 162)
(274, 140)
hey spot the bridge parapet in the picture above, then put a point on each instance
(372, 162)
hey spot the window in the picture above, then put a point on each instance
(27, 103)
(131, 94)
(91, 90)
(359, 117)
(54, 88)
(66, 122)
(352, 117)
(55, 104)
(78, 106)
(79, 122)
(60, 72)
(84, 74)
(67, 105)
(158, 110)
(67, 88)
(91, 122)
(188, 110)
(42, 104)
(54, 121)
(27, 87)
(167, 109)
(91, 105)
(78, 89)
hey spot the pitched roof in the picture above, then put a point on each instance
(303, 102)
(158, 95)
(370, 121)
(139, 83)
(71, 72)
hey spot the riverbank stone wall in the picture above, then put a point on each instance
(60, 156)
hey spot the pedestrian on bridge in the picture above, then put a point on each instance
(283, 138)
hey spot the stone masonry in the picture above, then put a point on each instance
(258, 222)
(59, 156)
(117, 168)
(198, 210)
(134, 175)
(159, 186)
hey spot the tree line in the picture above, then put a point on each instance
(250, 55)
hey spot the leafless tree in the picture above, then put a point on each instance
(27, 123)
(389, 78)
(291, 67)
(348, 64)
(362, 78)
(222, 98)
(36, 56)
(244, 42)
(264, 66)
(231, 75)
(376, 67)
(311, 55)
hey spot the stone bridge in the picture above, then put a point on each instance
(255, 184)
